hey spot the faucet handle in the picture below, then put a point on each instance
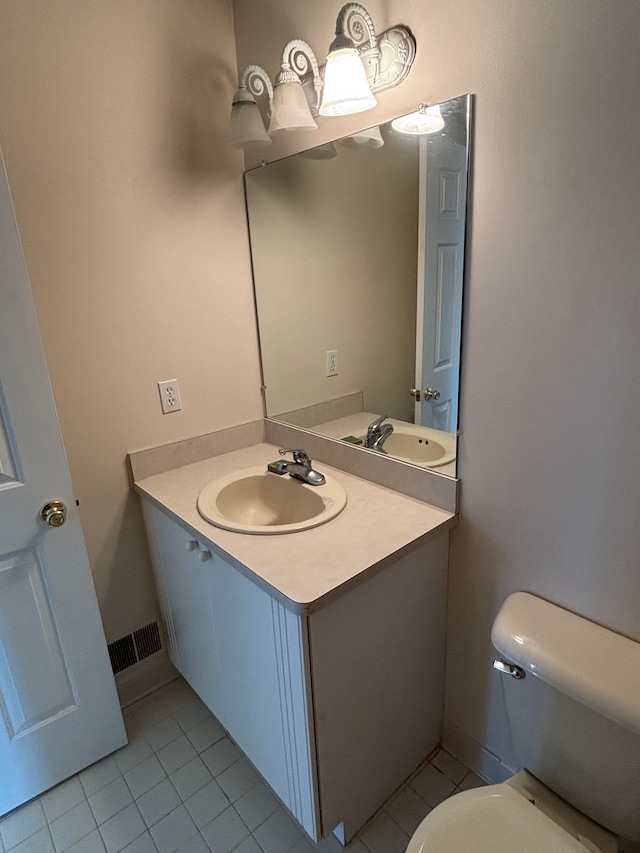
(378, 421)
(299, 455)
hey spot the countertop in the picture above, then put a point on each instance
(308, 568)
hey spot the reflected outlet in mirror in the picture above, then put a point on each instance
(362, 253)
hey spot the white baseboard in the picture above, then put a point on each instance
(144, 677)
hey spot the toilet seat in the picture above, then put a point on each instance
(493, 819)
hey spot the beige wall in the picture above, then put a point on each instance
(131, 213)
(335, 268)
(550, 409)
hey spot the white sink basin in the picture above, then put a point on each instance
(412, 446)
(257, 501)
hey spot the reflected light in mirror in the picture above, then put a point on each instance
(424, 120)
(327, 151)
(369, 138)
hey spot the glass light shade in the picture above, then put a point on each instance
(346, 88)
(246, 126)
(290, 110)
(369, 138)
(425, 120)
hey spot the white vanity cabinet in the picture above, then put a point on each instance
(334, 703)
(245, 655)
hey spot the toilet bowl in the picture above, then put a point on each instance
(570, 689)
(517, 816)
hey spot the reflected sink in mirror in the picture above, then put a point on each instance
(419, 449)
(424, 446)
(258, 502)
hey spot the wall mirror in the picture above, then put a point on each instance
(358, 260)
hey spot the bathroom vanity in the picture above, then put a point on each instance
(321, 652)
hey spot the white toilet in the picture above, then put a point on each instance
(572, 694)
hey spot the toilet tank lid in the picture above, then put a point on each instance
(589, 663)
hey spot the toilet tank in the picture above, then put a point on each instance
(574, 719)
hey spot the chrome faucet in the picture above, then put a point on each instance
(377, 433)
(300, 468)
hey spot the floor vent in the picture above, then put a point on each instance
(135, 647)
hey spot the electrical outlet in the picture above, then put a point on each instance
(332, 362)
(169, 396)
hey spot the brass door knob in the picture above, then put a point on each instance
(415, 393)
(54, 513)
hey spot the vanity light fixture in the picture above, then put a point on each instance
(424, 120)
(359, 63)
(246, 126)
(385, 59)
(291, 110)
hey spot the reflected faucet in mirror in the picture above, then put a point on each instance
(372, 244)
(377, 433)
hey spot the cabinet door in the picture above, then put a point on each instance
(182, 566)
(263, 652)
(245, 655)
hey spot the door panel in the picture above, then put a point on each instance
(440, 278)
(59, 709)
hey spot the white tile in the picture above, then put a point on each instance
(176, 754)
(190, 714)
(133, 727)
(432, 785)
(190, 778)
(110, 800)
(330, 844)
(205, 734)
(70, 827)
(226, 832)
(39, 842)
(256, 805)
(206, 804)
(143, 844)
(383, 835)
(158, 802)
(149, 711)
(197, 844)
(471, 781)
(408, 809)
(91, 843)
(62, 798)
(449, 766)
(163, 733)
(176, 694)
(22, 823)
(134, 753)
(173, 831)
(221, 755)
(237, 779)
(305, 846)
(99, 775)
(122, 829)
(278, 833)
(145, 776)
(249, 845)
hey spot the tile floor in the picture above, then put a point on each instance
(182, 786)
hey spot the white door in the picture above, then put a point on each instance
(443, 192)
(59, 709)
